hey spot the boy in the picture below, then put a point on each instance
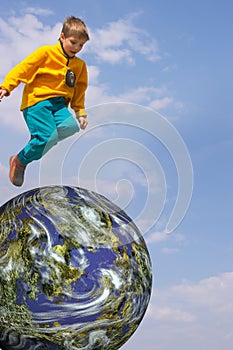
(54, 78)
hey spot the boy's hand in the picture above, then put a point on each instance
(3, 93)
(82, 122)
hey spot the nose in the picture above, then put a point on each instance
(77, 47)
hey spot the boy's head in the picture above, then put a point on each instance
(75, 27)
(74, 35)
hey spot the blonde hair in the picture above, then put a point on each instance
(75, 26)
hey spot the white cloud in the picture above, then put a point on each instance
(93, 75)
(20, 35)
(190, 315)
(157, 237)
(145, 95)
(161, 103)
(170, 68)
(167, 250)
(38, 11)
(114, 56)
(118, 41)
(170, 314)
(212, 293)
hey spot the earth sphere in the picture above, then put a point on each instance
(75, 272)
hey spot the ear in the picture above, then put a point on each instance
(62, 36)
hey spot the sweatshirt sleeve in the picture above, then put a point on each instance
(23, 71)
(78, 100)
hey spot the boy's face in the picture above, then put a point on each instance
(72, 44)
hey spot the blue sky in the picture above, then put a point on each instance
(160, 91)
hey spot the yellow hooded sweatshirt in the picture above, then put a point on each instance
(44, 74)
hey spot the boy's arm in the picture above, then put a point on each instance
(3, 93)
(78, 101)
(82, 122)
(23, 71)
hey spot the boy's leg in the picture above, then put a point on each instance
(17, 170)
(40, 121)
(48, 121)
(41, 124)
(66, 124)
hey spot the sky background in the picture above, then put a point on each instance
(159, 135)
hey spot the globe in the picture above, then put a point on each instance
(75, 272)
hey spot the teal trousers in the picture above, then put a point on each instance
(49, 122)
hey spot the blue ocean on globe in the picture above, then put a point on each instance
(75, 272)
